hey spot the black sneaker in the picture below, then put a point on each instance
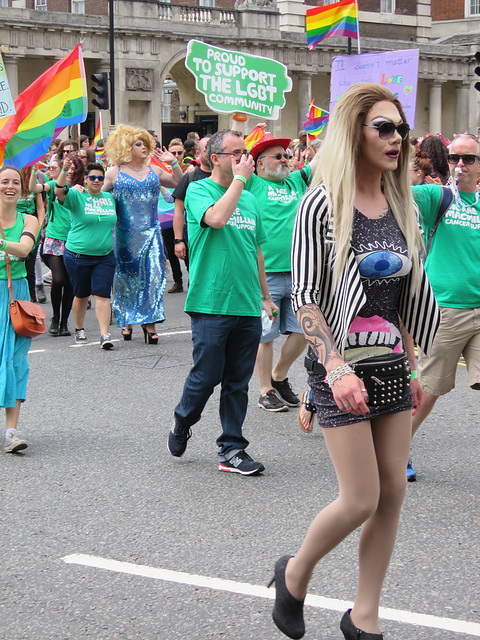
(177, 439)
(54, 328)
(285, 391)
(241, 463)
(271, 402)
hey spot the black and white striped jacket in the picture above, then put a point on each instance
(312, 279)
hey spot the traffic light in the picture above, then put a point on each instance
(100, 89)
(477, 70)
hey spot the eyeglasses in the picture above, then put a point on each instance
(468, 158)
(277, 156)
(387, 129)
(68, 150)
(235, 154)
(93, 178)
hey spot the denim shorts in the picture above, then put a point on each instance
(90, 274)
(280, 288)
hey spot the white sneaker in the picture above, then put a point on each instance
(14, 441)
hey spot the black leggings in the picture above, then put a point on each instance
(61, 292)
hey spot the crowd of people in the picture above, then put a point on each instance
(361, 249)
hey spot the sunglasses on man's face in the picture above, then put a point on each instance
(177, 153)
(468, 158)
(277, 156)
(387, 129)
(93, 178)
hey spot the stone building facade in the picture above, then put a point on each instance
(151, 39)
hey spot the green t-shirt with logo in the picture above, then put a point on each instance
(278, 201)
(223, 262)
(92, 220)
(17, 265)
(452, 264)
(58, 216)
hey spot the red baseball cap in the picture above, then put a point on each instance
(268, 141)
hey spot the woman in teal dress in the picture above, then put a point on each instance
(20, 233)
(139, 250)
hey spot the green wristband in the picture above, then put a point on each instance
(65, 172)
(4, 245)
(241, 178)
(413, 375)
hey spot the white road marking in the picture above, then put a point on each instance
(87, 344)
(37, 351)
(217, 584)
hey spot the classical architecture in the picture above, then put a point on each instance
(151, 39)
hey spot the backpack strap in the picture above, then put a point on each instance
(444, 205)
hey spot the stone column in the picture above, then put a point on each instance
(304, 96)
(11, 68)
(461, 107)
(435, 108)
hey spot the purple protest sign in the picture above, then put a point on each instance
(397, 70)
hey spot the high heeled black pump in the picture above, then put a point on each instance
(127, 333)
(287, 613)
(351, 632)
(149, 335)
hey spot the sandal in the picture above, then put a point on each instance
(127, 333)
(309, 408)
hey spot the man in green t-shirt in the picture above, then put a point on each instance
(453, 268)
(278, 191)
(227, 283)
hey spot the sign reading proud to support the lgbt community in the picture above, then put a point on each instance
(396, 70)
(233, 81)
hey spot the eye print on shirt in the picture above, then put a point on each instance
(383, 264)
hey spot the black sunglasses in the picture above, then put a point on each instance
(93, 178)
(468, 158)
(277, 156)
(387, 129)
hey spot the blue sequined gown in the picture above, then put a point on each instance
(139, 251)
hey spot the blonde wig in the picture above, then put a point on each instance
(120, 142)
(341, 153)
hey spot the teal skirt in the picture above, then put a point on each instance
(13, 348)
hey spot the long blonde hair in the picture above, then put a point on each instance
(120, 142)
(340, 154)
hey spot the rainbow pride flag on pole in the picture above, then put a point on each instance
(337, 19)
(316, 120)
(57, 99)
(98, 133)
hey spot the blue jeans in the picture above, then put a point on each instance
(224, 351)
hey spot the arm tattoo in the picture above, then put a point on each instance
(317, 333)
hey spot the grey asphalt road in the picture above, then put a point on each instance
(97, 480)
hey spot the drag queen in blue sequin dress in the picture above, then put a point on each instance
(139, 250)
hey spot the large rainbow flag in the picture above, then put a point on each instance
(254, 136)
(57, 99)
(338, 19)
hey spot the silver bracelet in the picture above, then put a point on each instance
(334, 375)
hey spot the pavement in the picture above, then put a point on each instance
(105, 536)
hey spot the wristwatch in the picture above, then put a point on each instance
(177, 241)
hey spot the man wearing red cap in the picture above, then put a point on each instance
(278, 191)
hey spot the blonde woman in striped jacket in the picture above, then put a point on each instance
(361, 295)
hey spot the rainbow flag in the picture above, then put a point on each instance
(158, 163)
(316, 121)
(57, 99)
(98, 133)
(254, 136)
(337, 19)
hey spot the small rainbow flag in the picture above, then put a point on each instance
(254, 136)
(337, 19)
(58, 98)
(158, 163)
(316, 122)
(98, 133)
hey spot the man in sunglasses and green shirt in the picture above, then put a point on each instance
(278, 191)
(453, 268)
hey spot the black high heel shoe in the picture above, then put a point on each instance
(150, 336)
(127, 333)
(351, 632)
(287, 613)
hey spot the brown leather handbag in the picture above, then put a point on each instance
(28, 318)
